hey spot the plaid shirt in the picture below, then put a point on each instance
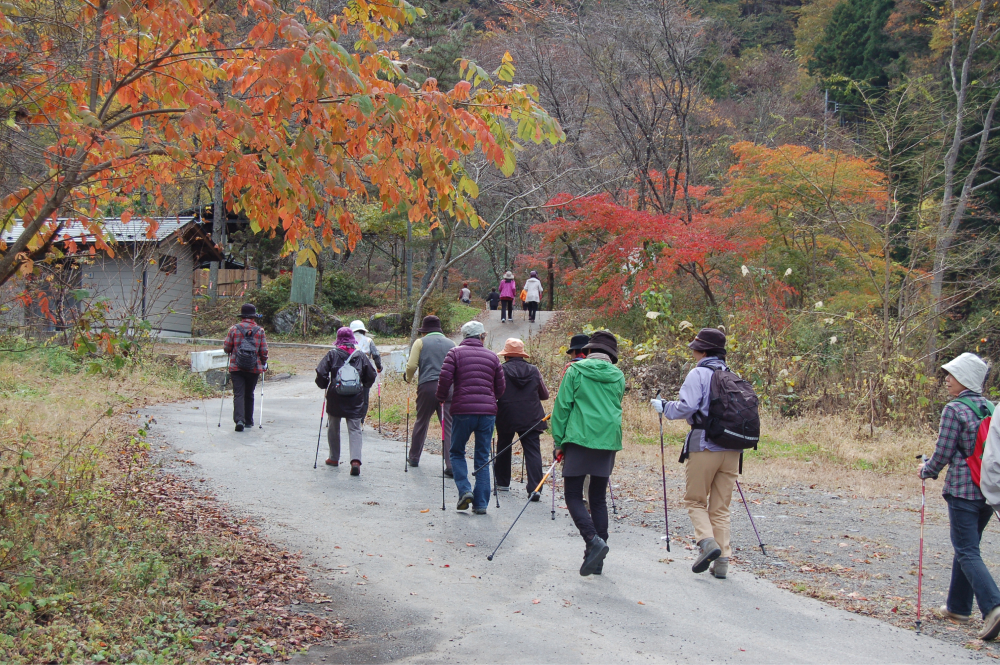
(956, 441)
(234, 338)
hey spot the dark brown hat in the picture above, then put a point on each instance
(248, 311)
(603, 341)
(430, 324)
(708, 339)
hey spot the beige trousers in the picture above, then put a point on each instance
(710, 480)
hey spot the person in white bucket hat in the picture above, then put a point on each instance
(968, 511)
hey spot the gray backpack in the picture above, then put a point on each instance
(347, 382)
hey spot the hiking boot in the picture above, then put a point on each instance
(944, 613)
(465, 501)
(332, 462)
(355, 467)
(536, 496)
(719, 568)
(449, 473)
(503, 488)
(413, 463)
(597, 549)
(240, 426)
(710, 551)
(479, 511)
(991, 625)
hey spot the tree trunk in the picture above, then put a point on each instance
(218, 234)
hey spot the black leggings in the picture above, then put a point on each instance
(507, 309)
(594, 523)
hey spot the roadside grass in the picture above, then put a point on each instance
(102, 559)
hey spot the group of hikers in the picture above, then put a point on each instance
(475, 392)
(530, 296)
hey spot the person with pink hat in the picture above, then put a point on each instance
(520, 412)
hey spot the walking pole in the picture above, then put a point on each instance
(496, 494)
(920, 559)
(553, 495)
(442, 465)
(225, 380)
(614, 508)
(522, 464)
(379, 389)
(406, 443)
(747, 506)
(663, 473)
(322, 413)
(544, 478)
(260, 423)
(490, 460)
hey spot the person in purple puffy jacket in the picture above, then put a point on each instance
(478, 381)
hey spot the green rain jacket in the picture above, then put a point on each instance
(588, 408)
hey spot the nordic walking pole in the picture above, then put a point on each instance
(614, 508)
(260, 423)
(920, 559)
(379, 390)
(322, 413)
(747, 506)
(406, 443)
(490, 460)
(553, 494)
(496, 493)
(663, 473)
(225, 380)
(522, 464)
(544, 478)
(442, 464)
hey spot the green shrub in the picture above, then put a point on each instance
(340, 290)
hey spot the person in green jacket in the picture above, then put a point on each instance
(587, 430)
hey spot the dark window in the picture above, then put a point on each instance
(168, 264)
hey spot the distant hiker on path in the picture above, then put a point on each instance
(426, 357)
(587, 430)
(968, 511)
(346, 394)
(711, 471)
(367, 346)
(475, 374)
(464, 294)
(247, 349)
(533, 295)
(520, 408)
(508, 289)
(493, 299)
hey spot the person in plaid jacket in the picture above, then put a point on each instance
(244, 382)
(968, 511)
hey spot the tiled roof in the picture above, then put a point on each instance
(132, 231)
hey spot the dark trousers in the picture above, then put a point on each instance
(493, 305)
(427, 406)
(594, 523)
(532, 310)
(969, 575)
(244, 383)
(532, 452)
(507, 309)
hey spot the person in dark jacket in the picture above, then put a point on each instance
(426, 357)
(474, 372)
(587, 431)
(245, 380)
(493, 299)
(518, 409)
(351, 408)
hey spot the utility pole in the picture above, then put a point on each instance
(552, 287)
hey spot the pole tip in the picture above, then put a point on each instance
(489, 557)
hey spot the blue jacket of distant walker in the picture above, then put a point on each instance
(696, 392)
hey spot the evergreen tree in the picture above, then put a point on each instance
(855, 45)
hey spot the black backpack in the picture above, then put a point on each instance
(347, 381)
(733, 417)
(246, 352)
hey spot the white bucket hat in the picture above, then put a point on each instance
(968, 369)
(357, 325)
(473, 329)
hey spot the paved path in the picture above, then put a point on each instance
(416, 586)
(519, 327)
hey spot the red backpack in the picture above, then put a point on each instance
(975, 461)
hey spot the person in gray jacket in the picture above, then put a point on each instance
(426, 357)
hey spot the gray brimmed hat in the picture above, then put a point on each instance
(708, 339)
(473, 329)
(968, 369)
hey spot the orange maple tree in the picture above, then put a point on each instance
(106, 100)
